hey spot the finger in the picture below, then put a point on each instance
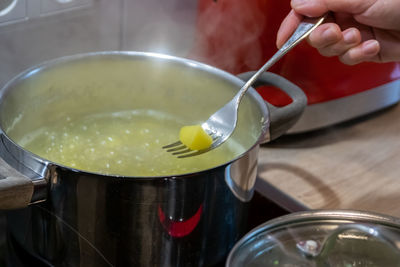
(366, 51)
(288, 26)
(314, 8)
(389, 45)
(325, 35)
(349, 38)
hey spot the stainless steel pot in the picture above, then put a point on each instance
(66, 217)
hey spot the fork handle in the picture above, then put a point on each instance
(281, 118)
(306, 26)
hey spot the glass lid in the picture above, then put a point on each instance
(310, 239)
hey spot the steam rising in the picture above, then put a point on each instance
(228, 34)
(159, 26)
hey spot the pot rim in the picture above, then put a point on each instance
(156, 56)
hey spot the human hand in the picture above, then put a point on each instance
(360, 30)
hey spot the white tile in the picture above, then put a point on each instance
(25, 44)
(56, 6)
(12, 11)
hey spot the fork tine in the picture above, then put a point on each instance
(176, 148)
(182, 152)
(172, 145)
(194, 153)
(191, 154)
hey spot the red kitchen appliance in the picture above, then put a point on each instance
(239, 36)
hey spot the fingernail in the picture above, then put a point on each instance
(350, 36)
(370, 47)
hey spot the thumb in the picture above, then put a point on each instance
(288, 26)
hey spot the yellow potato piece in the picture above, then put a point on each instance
(194, 137)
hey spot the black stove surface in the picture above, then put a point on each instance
(261, 210)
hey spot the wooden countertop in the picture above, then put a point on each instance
(354, 165)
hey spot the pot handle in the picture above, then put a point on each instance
(16, 190)
(281, 118)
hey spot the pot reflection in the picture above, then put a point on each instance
(181, 227)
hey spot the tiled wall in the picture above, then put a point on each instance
(141, 25)
(47, 29)
(26, 43)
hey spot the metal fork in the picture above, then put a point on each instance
(222, 123)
